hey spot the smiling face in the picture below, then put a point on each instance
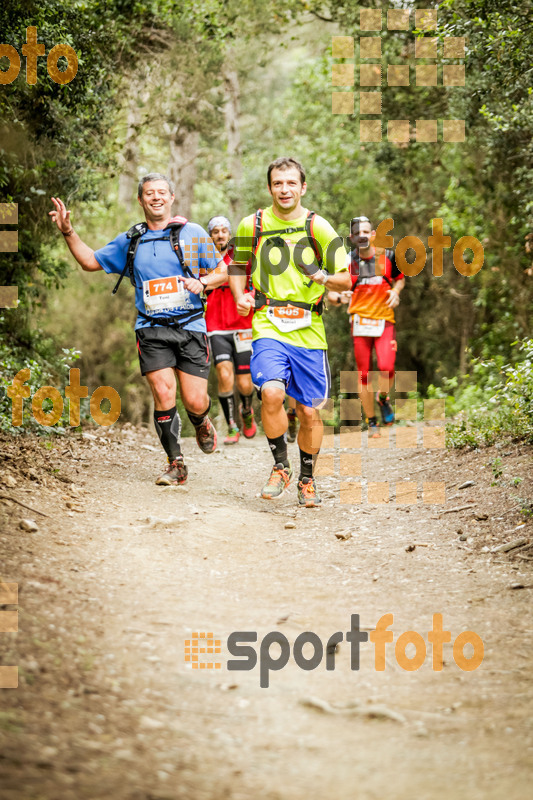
(221, 236)
(287, 190)
(156, 201)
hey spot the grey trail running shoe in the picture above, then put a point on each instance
(280, 477)
(206, 436)
(175, 473)
(307, 493)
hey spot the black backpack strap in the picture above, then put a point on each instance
(388, 254)
(282, 230)
(258, 229)
(134, 235)
(175, 230)
(309, 229)
(376, 263)
(261, 300)
(354, 253)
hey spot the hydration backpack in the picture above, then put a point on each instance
(135, 233)
(260, 298)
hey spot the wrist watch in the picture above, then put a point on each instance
(203, 281)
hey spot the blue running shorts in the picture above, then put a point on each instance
(305, 372)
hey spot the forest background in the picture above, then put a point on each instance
(210, 92)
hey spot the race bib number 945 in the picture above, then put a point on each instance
(165, 294)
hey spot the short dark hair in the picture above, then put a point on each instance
(285, 162)
(154, 176)
(359, 219)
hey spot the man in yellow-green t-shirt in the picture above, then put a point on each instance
(293, 256)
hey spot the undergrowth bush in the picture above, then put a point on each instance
(48, 367)
(496, 401)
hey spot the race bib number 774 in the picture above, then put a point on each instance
(165, 294)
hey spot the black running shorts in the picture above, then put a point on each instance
(160, 347)
(224, 348)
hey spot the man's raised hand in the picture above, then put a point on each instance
(245, 303)
(192, 284)
(60, 215)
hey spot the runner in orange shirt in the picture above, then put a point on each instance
(376, 286)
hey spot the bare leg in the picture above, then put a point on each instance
(272, 412)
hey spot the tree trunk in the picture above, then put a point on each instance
(182, 168)
(127, 181)
(233, 137)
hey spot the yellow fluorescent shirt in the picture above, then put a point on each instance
(279, 270)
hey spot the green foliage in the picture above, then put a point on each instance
(166, 61)
(497, 470)
(47, 368)
(496, 401)
(56, 139)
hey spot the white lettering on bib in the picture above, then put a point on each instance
(364, 326)
(166, 294)
(289, 318)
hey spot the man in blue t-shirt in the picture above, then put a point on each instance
(170, 327)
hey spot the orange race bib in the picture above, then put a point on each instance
(243, 341)
(165, 294)
(289, 318)
(364, 326)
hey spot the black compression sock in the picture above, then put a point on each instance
(246, 400)
(279, 449)
(197, 419)
(307, 461)
(168, 427)
(227, 404)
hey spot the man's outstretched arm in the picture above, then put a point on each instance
(83, 254)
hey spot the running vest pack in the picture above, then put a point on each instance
(261, 300)
(135, 233)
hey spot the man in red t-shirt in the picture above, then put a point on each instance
(376, 286)
(230, 338)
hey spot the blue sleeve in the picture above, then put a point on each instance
(208, 256)
(112, 257)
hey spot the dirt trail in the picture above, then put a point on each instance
(122, 572)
